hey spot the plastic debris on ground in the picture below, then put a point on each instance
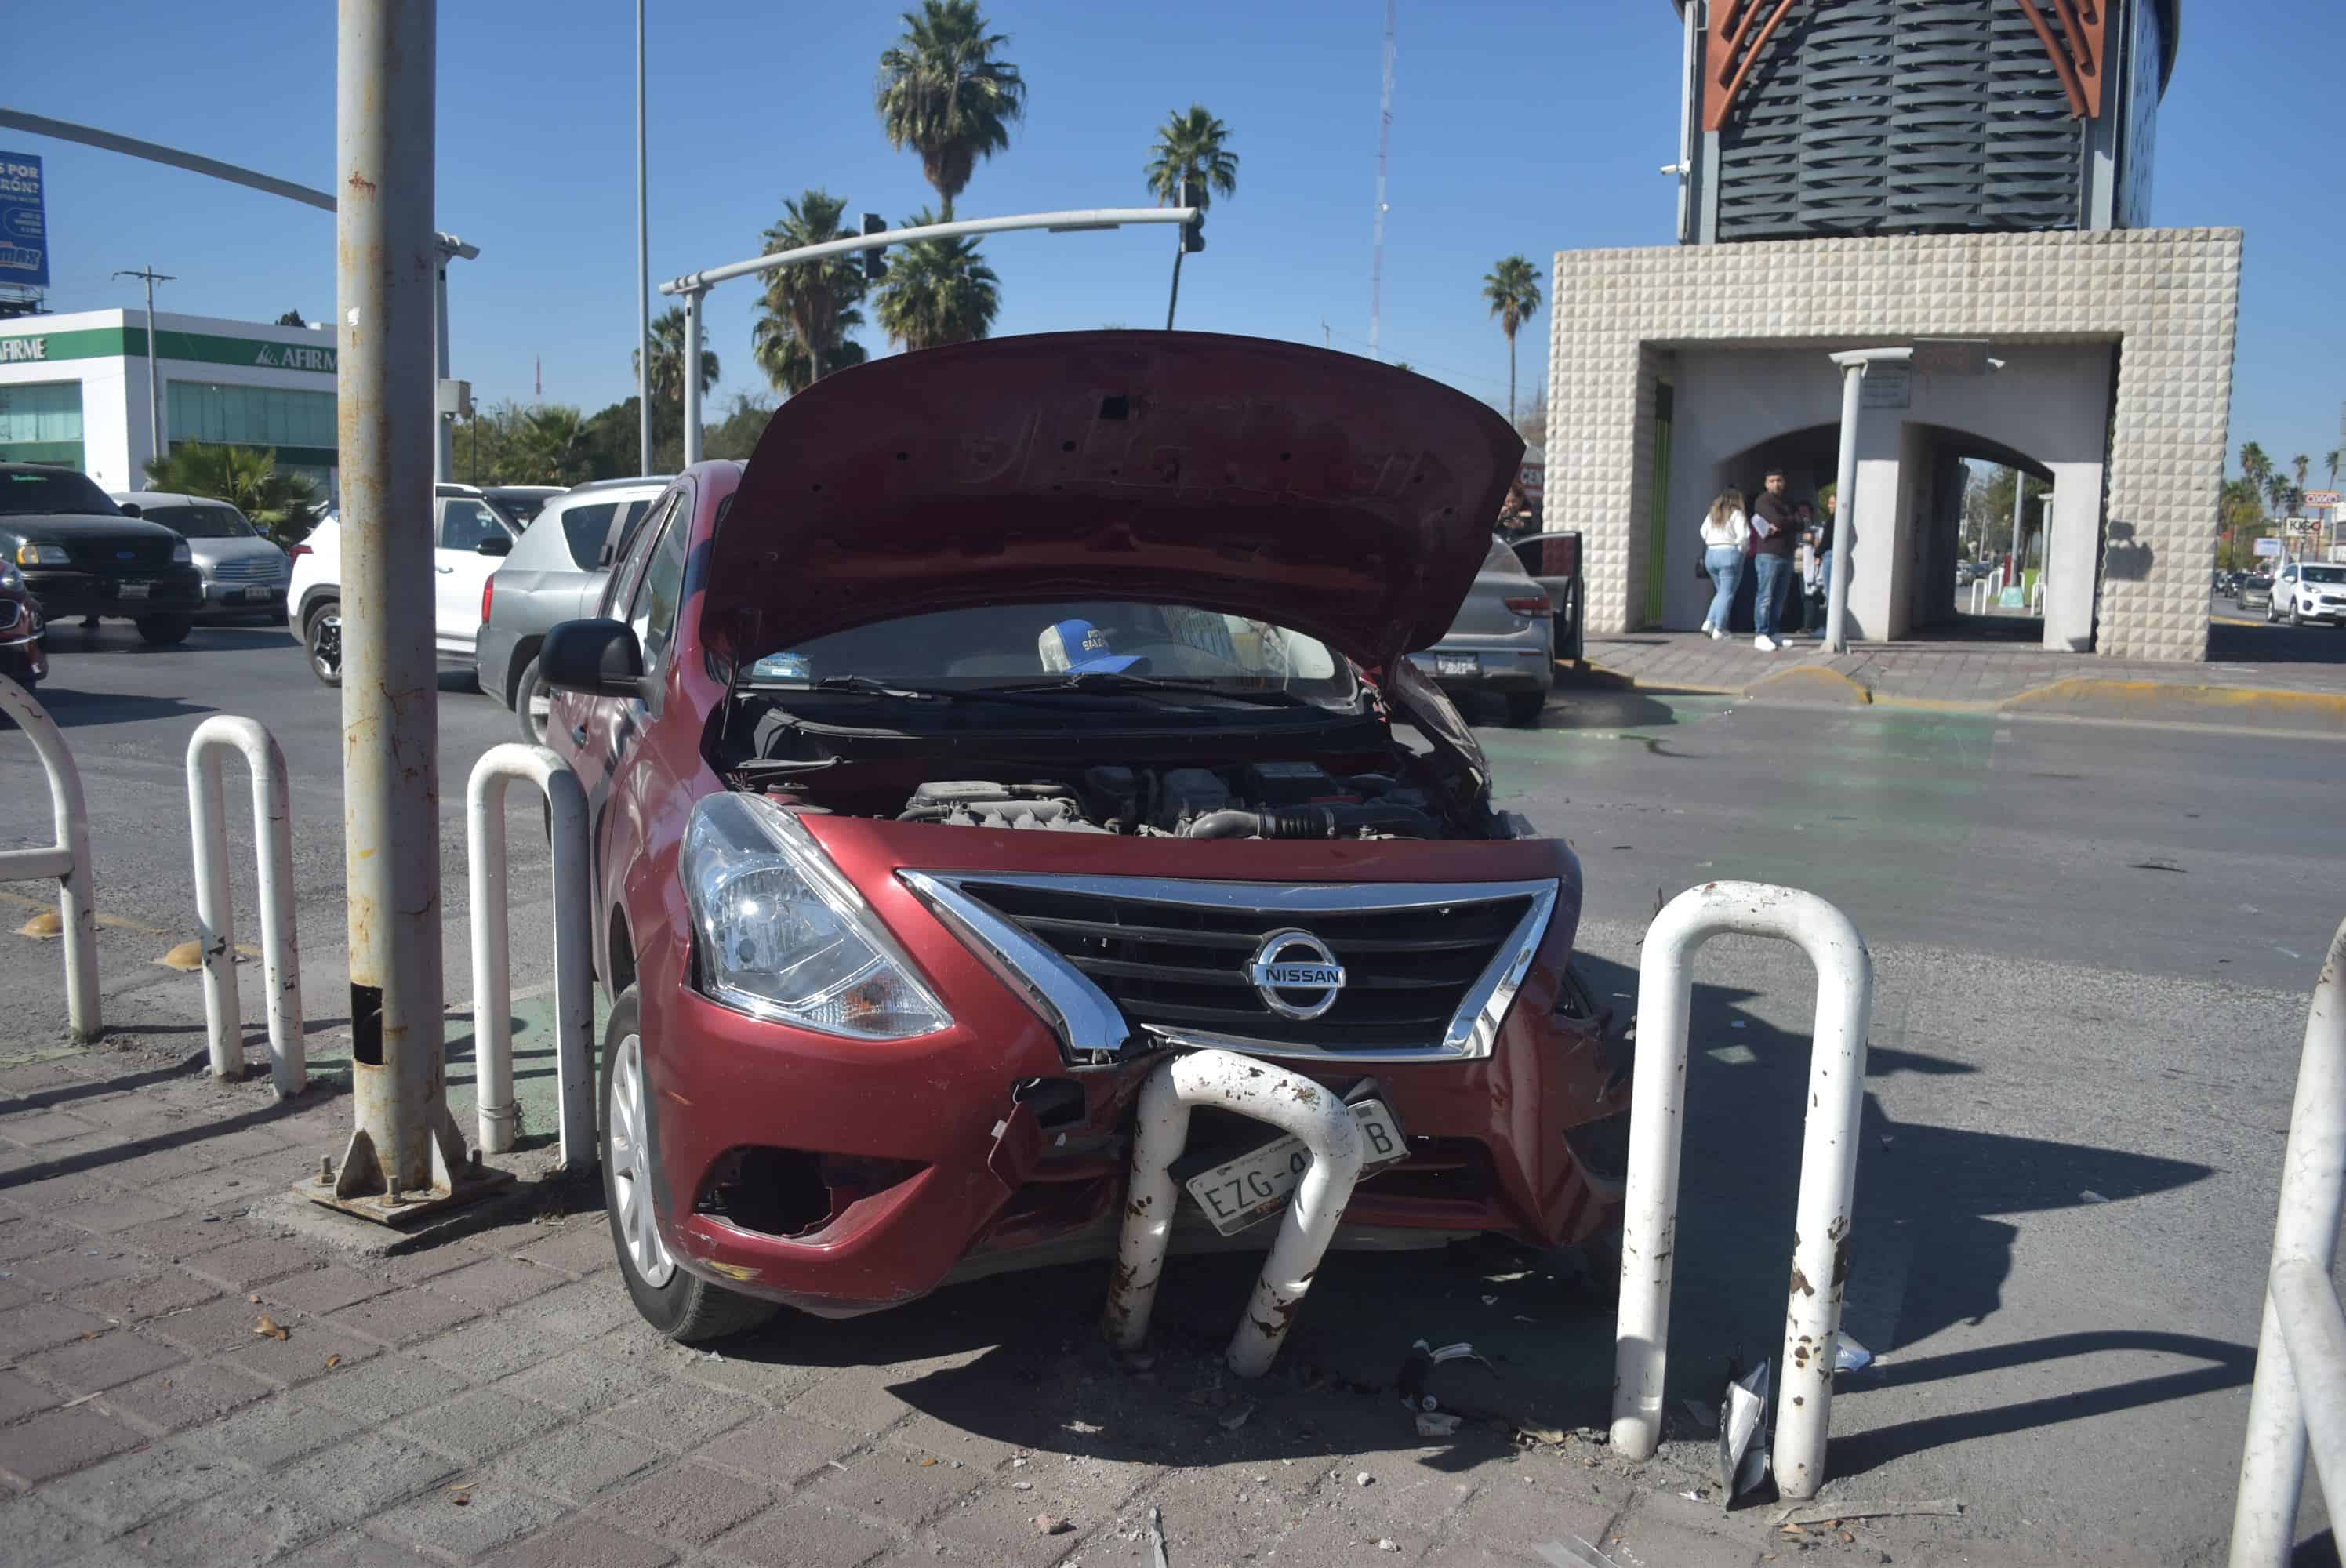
(1418, 1366)
(1436, 1424)
(1851, 1357)
(1821, 1513)
(1742, 1438)
(1578, 1554)
(1157, 1538)
(1236, 1418)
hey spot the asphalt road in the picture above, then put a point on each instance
(2092, 944)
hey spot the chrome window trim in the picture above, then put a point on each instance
(1084, 1015)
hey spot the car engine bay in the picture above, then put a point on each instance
(1266, 799)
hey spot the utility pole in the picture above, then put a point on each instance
(405, 1146)
(643, 267)
(154, 380)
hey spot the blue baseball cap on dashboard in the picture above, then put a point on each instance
(1087, 650)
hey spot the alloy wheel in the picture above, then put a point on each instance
(326, 646)
(629, 1157)
(541, 712)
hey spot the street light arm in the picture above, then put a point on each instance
(1090, 218)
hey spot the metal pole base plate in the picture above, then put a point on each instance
(361, 1190)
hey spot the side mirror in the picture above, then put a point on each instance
(132, 509)
(494, 544)
(597, 657)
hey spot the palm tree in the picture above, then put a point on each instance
(1189, 165)
(2330, 461)
(1513, 289)
(800, 335)
(937, 292)
(285, 506)
(668, 364)
(945, 94)
(2255, 465)
(553, 444)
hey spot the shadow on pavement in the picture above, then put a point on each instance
(78, 710)
(2275, 644)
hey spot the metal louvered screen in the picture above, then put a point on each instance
(1900, 116)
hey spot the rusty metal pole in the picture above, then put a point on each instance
(388, 260)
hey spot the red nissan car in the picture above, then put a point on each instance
(1021, 712)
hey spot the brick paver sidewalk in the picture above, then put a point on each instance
(186, 1377)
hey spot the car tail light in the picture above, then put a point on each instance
(298, 551)
(488, 594)
(1537, 604)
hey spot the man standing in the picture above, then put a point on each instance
(1772, 555)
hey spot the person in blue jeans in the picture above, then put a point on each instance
(1725, 531)
(1771, 558)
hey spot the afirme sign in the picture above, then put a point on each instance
(24, 223)
(198, 348)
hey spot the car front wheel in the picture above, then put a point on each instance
(1524, 708)
(162, 631)
(321, 640)
(683, 1306)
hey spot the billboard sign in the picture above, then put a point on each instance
(23, 224)
(2267, 545)
(2320, 498)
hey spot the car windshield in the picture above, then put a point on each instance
(998, 648)
(201, 522)
(2330, 574)
(54, 493)
(520, 508)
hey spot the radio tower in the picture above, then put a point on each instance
(1385, 149)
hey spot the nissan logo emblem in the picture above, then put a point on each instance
(1294, 961)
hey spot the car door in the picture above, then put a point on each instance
(461, 569)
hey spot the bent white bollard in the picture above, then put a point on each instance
(1288, 1100)
(1828, 1163)
(280, 947)
(68, 860)
(2305, 1244)
(574, 1002)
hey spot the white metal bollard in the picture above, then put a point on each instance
(68, 860)
(2305, 1242)
(280, 946)
(1288, 1100)
(574, 1001)
(1828, 1163)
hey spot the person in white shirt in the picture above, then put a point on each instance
(1725, 531)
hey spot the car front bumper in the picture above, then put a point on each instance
(63, 592)
(915, 1162)
(243, 598)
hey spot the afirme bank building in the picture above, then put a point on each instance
(1868, 173)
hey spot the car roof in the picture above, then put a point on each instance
(168, 498)
(648, 481)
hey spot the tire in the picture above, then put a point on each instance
(2295, 618)
(1524, 708)
(684, 1307)
(322, 641)
(163, 631)
(530, 699)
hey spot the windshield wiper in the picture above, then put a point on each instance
(1117, 681)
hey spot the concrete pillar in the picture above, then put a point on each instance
(2072, 558)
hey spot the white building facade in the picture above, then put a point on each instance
(74, 391)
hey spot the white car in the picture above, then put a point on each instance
(2308, 591)
(471, 538)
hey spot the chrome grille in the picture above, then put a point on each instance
(250, 569)
(1429, 969)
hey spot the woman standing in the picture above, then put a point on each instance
(1724, 532)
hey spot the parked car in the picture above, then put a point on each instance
(244, 574)
(2308, 591)
(470, 539)
(991, 736)
(21, 658)
(521, 503)
(1503, 641)
(2256, 592)
(80, 555)
(555, 574)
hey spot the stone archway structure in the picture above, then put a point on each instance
(2147, 316)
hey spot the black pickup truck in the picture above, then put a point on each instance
(80, 555)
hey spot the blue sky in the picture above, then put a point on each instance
(1524, 128)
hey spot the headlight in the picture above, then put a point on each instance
(32, 553)
(783, 936)
(180, 555)
(8, 578)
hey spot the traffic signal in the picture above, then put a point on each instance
(1193, 233)
(875, 264)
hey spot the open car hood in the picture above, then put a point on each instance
(1323, 492)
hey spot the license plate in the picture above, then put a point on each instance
(1456, 665)
(134, 590)
(252, 593)
(1257, 1185)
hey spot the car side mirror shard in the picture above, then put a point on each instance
(494, 544)
(597, 657)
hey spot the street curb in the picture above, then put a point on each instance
(1810, 686)
(2171, 702)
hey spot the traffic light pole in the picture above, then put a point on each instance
(693, 285)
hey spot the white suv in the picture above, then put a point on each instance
(471, 538)
(2308, 591)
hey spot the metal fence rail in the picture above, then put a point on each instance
(66, 860)
(2299, 1397)
(280, 946)
(574, 1000)
(1828, 1163)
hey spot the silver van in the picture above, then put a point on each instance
(555, 574)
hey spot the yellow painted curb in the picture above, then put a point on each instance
(1809, 683)
(2252, 706)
